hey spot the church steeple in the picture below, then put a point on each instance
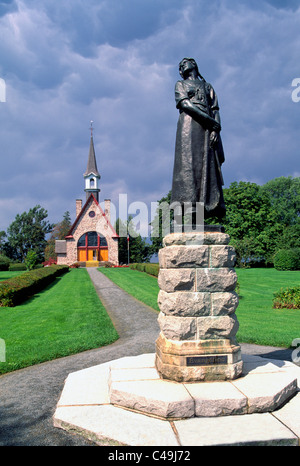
(91, 175)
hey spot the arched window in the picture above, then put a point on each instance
(92, 183)
(92, 239)
(103, 242)
(81, 241)
(92, 246)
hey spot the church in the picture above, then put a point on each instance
(91, 240)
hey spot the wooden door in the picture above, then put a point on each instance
(90, 254)
(81, 255)
(103, 254)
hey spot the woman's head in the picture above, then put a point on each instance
(187, 64)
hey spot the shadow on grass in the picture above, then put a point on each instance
(32, 298)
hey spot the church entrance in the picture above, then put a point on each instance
(92, 247)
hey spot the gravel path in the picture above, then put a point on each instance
(28, 397)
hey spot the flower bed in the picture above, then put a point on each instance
(288, 298)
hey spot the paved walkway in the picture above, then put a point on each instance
(28, 397)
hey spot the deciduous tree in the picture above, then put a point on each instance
(28, 232)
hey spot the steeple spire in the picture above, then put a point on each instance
(91, 174)
(92, 164)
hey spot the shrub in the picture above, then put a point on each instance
(108, 264)
(15, 290)
(287, 259)
(4, 262)
(288, 298)
(151, 269)
(76, 265)
(17, 267)
(50, 261)
(31, 259)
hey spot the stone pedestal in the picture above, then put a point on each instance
(197, 305)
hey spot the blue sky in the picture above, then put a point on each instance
(115, 62)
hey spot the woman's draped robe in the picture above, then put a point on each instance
(197, 166)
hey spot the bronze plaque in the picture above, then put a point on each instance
(206, 360)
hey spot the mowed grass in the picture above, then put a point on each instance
(259, 322)
(142, 286)
(65, 318)
(5, 275)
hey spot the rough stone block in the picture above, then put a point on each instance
(222, 256)
(187, 304)
(224, 303)
(217, 327)
(171, 280)
(184, 256)
(194, 238)
(178, 328)
(223, 279)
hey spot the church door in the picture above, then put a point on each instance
(92, 247)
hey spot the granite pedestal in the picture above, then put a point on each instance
(197, 302)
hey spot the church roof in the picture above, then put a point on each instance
(92, 164)
(90, 199)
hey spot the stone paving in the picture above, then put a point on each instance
(108, 403)
(125, 402)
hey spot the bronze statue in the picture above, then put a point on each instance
(197, 176)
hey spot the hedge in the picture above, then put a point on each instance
(151, 269)
(16, 267)
(4, 262)
(17, 289)
(287, 259)
(288, 298)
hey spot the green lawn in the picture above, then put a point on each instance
(5, 275)
(65, 318)
(68, 317)
(142, 286)
(259, 323)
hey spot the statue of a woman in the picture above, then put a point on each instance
(197, 176)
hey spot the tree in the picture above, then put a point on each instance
(31, 259)
(28, 232)
(260, 220)
(159, 223)
(284, 195)
(250, 222)
(59, 231)
(139, 250)
(2, 239)
(64, 225)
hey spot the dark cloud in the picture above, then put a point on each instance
(7, 6)
(116, 63)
